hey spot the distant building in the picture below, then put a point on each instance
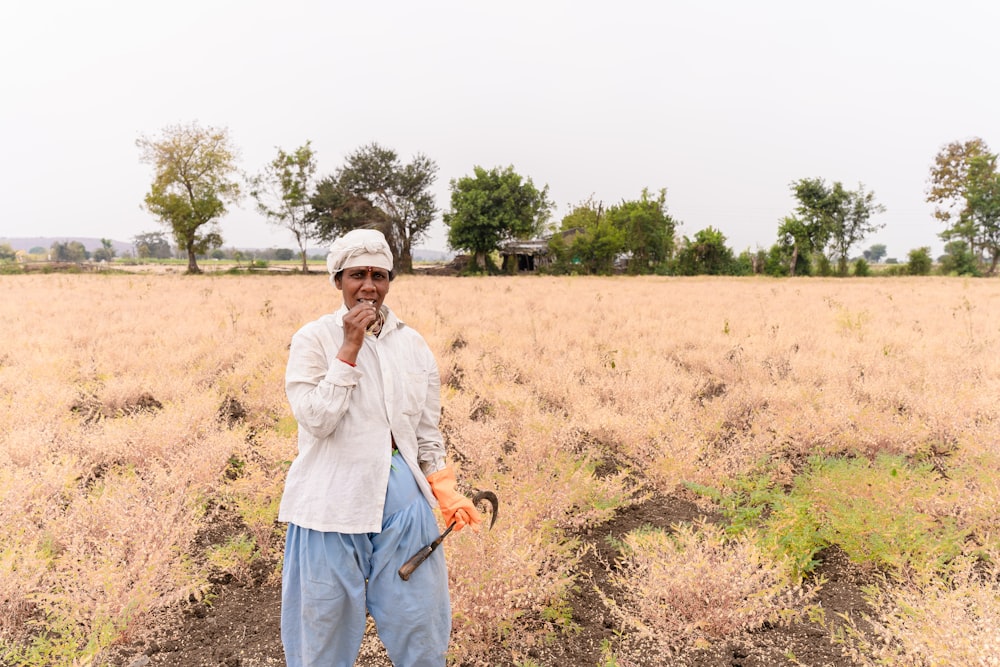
(519, 256)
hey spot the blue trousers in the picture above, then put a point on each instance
(330, 580)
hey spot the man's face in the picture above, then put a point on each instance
(363, 283)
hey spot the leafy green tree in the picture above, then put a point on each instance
(750, 263)
(648, 231)
(152, 245)
(593, 241)
(707, 254)
(493, 206)
(106, 252)
(983, 207)
(796, 237)
(861, 267)
(852, 222)
(374, 177)
(598, 246)
(875, 253)
(584, 215)
(815, 210)
(194, 170)
(958, 259)
(335, 211)
(833, 217)
(948, 189)
(7, 253)
(69, 251)
(920, 262)
(777, 262)
(282, 191)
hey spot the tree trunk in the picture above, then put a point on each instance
(305, 263)
(795, 259)
(405, 256)
(192, 262)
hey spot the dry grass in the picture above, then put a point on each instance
(698, 586)
(947, 621)
(131, 406)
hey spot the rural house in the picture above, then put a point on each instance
(529, 255)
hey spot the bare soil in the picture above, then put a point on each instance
(240, 628)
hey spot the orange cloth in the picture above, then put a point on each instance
(455, 507)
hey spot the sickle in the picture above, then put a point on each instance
(419, 557)
(491, 498)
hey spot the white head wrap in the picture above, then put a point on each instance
(359, 247)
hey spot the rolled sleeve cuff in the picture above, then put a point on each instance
(343, 374)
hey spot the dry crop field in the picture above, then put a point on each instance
(144, 436)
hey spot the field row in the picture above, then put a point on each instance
(138, 412)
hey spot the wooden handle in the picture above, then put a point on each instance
(419, 557)
(414, 562)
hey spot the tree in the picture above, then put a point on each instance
(598, 246)
(69, 251)
(833, 217)
(282, 191)
(807, 233)
(152, 244)
(648, 231)
(948, 188)
(335, 211)
(777, 262)
(851, 221)
(491, 207)
(593, 242)
(193, 181)
(7, 252)
(400, 191)
(795, 236)
(982, 212)
(958, 259)
(707, 254)
(920, 262)
(106, 252)
(875, 253)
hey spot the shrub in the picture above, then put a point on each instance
(920, 262)
(700, 584)
(959, 260)
(949, 620)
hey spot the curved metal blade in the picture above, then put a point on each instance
(491, 498)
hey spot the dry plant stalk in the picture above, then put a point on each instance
(697, 585)
(129, 404)
(953, 621)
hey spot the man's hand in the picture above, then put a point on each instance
(356, 320)
(455, 508)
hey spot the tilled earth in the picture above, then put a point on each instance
(241, 626)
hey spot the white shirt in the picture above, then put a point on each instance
(348, 416)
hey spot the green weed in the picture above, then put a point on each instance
(879, 512)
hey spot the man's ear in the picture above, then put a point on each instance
(337, 282)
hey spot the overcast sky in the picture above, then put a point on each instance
(724, 103)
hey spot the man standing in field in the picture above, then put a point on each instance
(365, 390)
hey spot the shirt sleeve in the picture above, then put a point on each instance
(318, 387)
(430, 442)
